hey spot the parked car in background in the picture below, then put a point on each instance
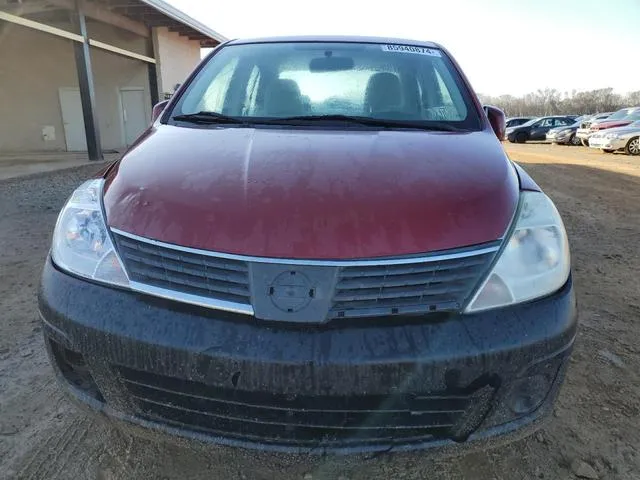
(583, 132)
(536, 129)
(620, 118)
(564, 135)
(515, 121)
(625, 138)
(250, 274)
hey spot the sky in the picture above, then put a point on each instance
(503, 46)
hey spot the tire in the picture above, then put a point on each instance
(605, 150)
(574, 140)
(633, 146)
(585, 143)
(521, 137)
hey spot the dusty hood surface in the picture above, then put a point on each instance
(314, 194)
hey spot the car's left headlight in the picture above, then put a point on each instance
(81, 242)
(534, 262)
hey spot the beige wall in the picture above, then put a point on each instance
(33, 67)
(177, 56)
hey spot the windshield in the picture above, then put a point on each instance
(301, 79)
(635, 115)
(620, 114)
(530, 122)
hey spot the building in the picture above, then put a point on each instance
(83, 75)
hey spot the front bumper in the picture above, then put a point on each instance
(340, 388)
(563, 138)
(584, 133)
(606, 143)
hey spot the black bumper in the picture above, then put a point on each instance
(341, 388)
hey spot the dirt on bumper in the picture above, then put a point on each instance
(191, 372)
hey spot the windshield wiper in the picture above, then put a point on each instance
(366, 121)
(208, 117)
(219, 118)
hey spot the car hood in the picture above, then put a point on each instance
(313, 194)
(602, 125)
(623, 130)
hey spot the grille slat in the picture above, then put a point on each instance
(215, 273)
(276, 417)
(196, 259)
(191, 273)
(188, 280)
(389, 293)
(404, 280)
(324, 420)
(426, 286)
(411, 268)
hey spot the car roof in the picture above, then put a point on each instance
(334, 38)
(628, 109)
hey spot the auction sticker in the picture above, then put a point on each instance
(432, 52)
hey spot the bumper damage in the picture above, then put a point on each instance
(362, 386)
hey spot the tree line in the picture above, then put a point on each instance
(550, 101)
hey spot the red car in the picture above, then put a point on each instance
(319, 246)
(621, 118)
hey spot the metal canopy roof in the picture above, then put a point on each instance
(133, 15)
(157, 13)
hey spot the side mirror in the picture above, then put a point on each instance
(497, 120)
(158, 108)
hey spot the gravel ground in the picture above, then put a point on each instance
(593, 432)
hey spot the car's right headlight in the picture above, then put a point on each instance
(81, 242)
(534, 262)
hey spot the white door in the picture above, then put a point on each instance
(134, 113)
(73, 120)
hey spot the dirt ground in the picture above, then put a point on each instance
(596, 420)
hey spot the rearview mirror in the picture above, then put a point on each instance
(497, 120)
(331, 64)
(158, 108)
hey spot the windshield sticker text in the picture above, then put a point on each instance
(412, 49)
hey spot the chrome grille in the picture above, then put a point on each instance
(439, 282)
(427, 286)
(187, 272)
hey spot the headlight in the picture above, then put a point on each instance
(81, 242)
(535, 261)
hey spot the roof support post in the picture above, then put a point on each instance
(153, 73)
(85, 82)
